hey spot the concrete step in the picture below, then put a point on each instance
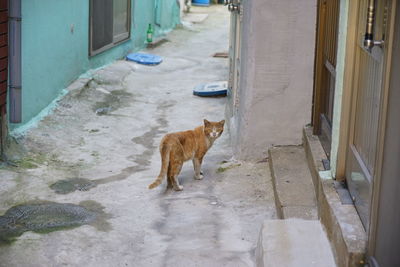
(341, 221)
(293, 243)
(293, 185)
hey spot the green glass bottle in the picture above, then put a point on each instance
(149, 34)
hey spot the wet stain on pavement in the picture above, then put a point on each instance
(45, 217)
(142, 160)
(70, 185)
(125, 173)
(147, 139)
(111, 102)
(81, 184)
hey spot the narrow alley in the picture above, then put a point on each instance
(90, 161)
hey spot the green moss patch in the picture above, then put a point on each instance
(227, 167)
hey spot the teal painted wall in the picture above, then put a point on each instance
(53, 56)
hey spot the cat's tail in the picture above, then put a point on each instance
(165, 150)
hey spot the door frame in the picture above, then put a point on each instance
(347, 94)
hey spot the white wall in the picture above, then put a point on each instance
(276, 83)
(183, 7)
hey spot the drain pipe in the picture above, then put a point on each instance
(14, 57)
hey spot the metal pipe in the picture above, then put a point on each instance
(369, 34)
(14, 56)
(369, 41)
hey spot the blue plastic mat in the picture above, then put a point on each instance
(146, 59)
(211, 89)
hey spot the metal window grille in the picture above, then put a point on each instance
(109, 24)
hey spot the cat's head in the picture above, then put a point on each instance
(212, 129)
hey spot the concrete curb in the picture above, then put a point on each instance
(278, 204)
(76, 88)
(342, 223)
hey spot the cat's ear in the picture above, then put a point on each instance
(222, 122)
(206, 122)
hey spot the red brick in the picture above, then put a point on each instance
(3, 75)
(3, 4)
(3, 51)
(3, 16)
(3, 98)
(3, 27)
(3, 87)
(3, 63)
(3, 39)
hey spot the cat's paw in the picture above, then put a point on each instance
(200, 177)
(178, 188)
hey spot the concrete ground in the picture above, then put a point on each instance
(294, 243)
(103, 136)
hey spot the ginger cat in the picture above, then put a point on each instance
(176, 148)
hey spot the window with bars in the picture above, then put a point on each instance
(109, 24)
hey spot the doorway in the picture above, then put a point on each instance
(367, 102)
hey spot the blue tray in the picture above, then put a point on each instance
(211, 89)
(146, 59)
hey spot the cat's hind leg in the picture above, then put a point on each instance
(176, 167)
(169, 179)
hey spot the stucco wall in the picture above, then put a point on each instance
(276, 75)
(53, 56)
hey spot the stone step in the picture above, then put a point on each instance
(292, 181)
(293, 243)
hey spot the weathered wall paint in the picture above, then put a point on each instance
(169, 20)
(276, 83)
(55, 43)
(337, 108)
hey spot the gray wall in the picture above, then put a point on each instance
(276, 83)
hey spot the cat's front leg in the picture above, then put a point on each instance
(198, 174)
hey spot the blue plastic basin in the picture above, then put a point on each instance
(201, 2)
(146, 59)
(211, 89)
